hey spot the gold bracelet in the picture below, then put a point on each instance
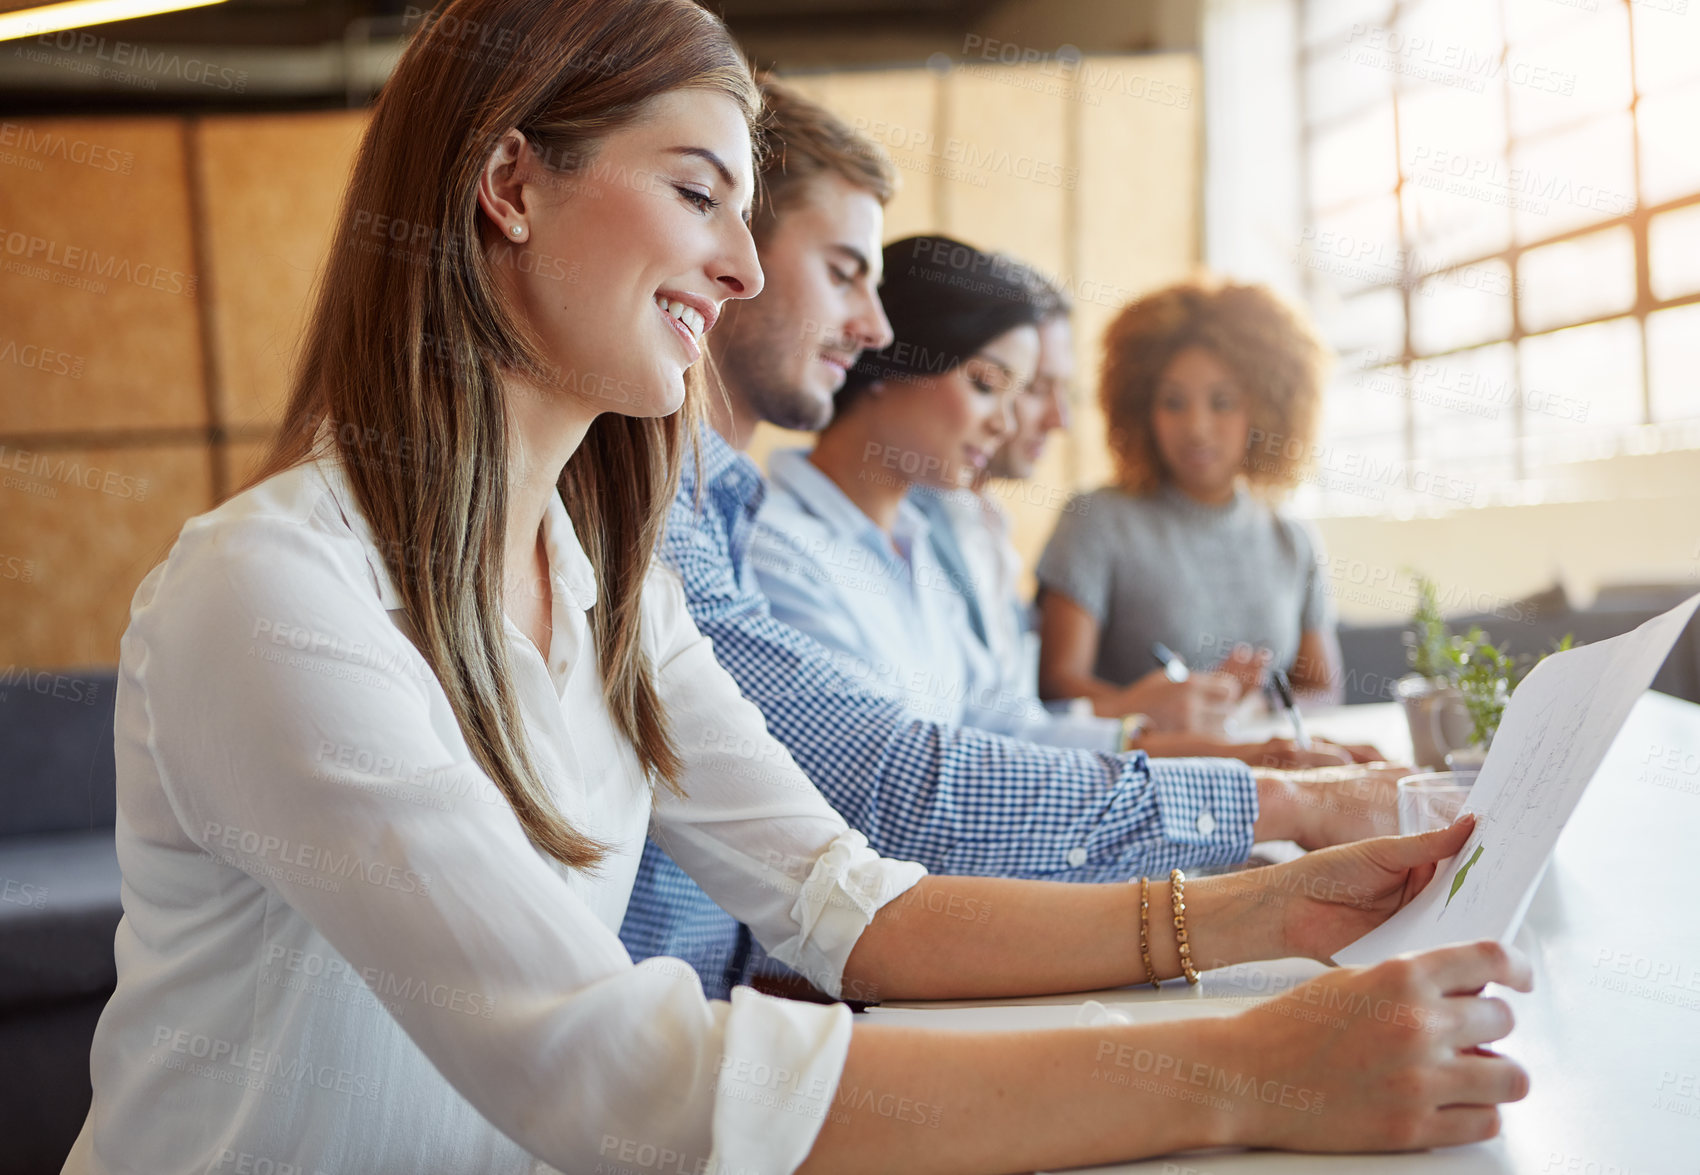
(1145, 930)
(1177, 880)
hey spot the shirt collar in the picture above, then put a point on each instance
(725, 471)
(569, 566)
(793, 472)
(570, 571)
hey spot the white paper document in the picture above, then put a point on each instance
(1556, 731)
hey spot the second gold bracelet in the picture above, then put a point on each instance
(1177, 880)
(1145, 930)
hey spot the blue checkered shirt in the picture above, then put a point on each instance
(955, 799)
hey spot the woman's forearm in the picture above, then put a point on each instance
(1317, 669)
(1180, 744)
(1323, 689)
(1395, 1063)
(939, 1101)
(986, 937)
(1068, 649)
(1108, 699)
(1064, 683)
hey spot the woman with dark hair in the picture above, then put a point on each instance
(840, 549)
(393, 721)
(856, 547)
(1209, 390)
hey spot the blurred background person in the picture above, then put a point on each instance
(840, 550)
(884, 545)
(1211, 393)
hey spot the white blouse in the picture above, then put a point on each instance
(339, 951)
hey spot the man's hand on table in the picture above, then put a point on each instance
(1321, 806)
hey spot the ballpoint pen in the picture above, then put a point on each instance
(1284, 688)
(1172, 666)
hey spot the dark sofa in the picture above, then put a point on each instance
(1374, 655)
(59, 904)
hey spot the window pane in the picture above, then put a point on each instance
(1329, 19)
(1578, 386)
(1673, 251)
(1358, 474)
(1575, 178)
(1531, 20)
(1670, 162)
(1413, 54)
(1456, 198)
(1354, 247)
(1354, 159)
(1588, 277)
(1436, 122)
(1582, 71)
(1673, 359)
(1450, 220)
(1338, 84)
(1460, 307)
(1360, 459)
(1367, 326)
(1450, 44)
(1464, 408)
(1364, 401)
(1667, 45)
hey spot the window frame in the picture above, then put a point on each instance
(1411, 275)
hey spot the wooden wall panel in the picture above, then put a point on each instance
(1012, 184)
(79, 528)
(1004, 168)
(1139, 207)
(898, 109)
(98, 290)
(238, 460)
(272, 185)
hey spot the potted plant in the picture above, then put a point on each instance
(1434, 706)
(1485, 675)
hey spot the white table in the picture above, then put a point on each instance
(1611, 1033)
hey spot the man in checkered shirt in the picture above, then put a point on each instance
(956, 799)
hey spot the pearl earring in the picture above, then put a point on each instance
(518, 230)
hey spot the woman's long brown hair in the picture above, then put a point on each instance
(408, 333)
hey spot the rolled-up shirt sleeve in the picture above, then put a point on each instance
(582, 1050)
(752, 830)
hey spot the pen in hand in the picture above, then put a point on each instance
(1172, 666)
(1284, 688)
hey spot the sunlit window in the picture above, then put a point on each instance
(1502, 237)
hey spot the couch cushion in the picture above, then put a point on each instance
(46, 1093)
(1374, 655)
(56, 743)
(59, 907)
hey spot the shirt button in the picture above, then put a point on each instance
(1077, 857)
(1206, 824)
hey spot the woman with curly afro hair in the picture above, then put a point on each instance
(1211, 393)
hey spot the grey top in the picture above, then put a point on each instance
(1199, 578)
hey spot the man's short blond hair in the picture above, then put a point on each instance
(803, 139)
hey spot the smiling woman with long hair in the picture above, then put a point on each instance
(394, 721)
